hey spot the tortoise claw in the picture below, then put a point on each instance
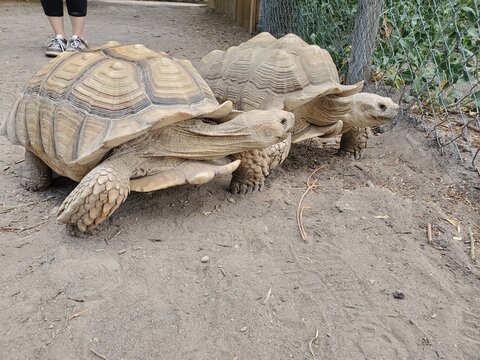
(243, 188)
(353, 153)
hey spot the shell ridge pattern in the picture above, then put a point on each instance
(91, 109)
(142, 75)
(80, 74)
(244, 71)
(201, 84)
(72, 100)
(93, 146)
(275, 74)
(174, 101)
(264, 77)
(314, 71)
(26, 122)
(56, 65)
(15, 119)
(35, 128)
(78, 136)
(264, 72)
(244, 77)
(52, 133)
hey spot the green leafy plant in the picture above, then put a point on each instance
(431, 47)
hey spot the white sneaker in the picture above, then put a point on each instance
(76, 44)
(55, 45)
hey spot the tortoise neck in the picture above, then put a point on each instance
(195, 139)
(326, 110)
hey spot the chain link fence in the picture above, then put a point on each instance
(425, 54)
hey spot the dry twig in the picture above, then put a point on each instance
(310, 186)
(98, 354)
(429, 233)
(10, 208)
(34, 225)
(20, 229)
(472, 244)
(311, 342)
(269, 293)
(73, 316)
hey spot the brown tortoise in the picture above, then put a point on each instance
(121, 118)
(289, 74)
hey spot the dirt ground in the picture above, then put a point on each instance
(138, 289)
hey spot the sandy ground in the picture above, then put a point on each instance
(138, 290)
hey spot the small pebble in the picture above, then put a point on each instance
(205, 259)
(243, 329)
(344, 207)
(231, 200)
(443, 243)
(370, 184)
(399, 294)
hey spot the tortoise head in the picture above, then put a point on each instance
(267, 126)
(371, 110)
(244, 131)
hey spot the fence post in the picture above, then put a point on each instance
(364, 35)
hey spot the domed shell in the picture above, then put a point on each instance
(81, 105)
(264, 72)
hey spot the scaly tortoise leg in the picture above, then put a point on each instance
(250, 175)
(353, 142)
(256, 165)
(96, 197)
(36, 175)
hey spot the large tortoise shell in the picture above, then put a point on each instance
(79, 106)
(264, 72)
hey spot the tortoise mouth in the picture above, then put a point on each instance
(380, 120)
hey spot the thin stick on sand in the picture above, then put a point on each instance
(311, 342)
(98, 354)
(429, 233)
(310, 186)
(472, 244)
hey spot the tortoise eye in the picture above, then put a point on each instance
(382, 107)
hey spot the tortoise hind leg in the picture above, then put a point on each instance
(96, 197)
(36, 175)
(353, 142)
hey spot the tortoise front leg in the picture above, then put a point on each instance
(353, 142)
(256, 165)
(36, 175)
(250, 175)
(97, 196)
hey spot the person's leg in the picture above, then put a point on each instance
(54, 11)
(56, 22)
(77, 9)
(78, 26)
